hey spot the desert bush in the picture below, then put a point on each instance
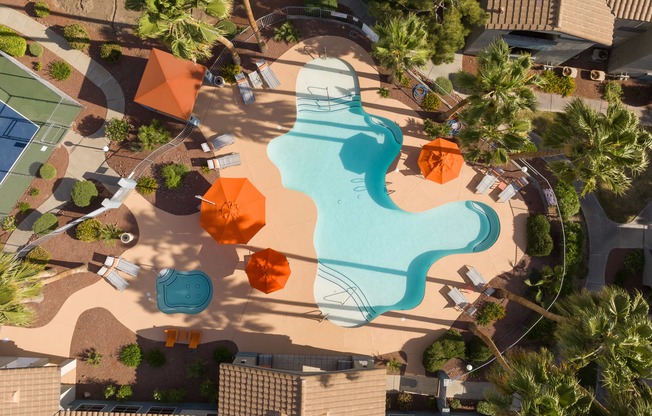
(634, 262)
(131, 355)
(431, 102)
(124, 392)
(33, 192)
(403, 80)
(109, 391)
(46, 223)
(23, 207)
(556, 84)
(146, 185)
(539, 241)
(567, 199)
(11, 42)
(205, 170)
(60, 70)
(94, 358)
(172, 395)
(485, 408)
(228, 72)
(41, 9)
(383, 92)
(393, 365)
(444, 85)
(196, 369)
(404, 401)
(434, 129)
(9, 223)
(77, 36)
(477, 351)
(574, 245)
(110, 233)
(173, 174)
(35, 49)
(612, 91)
(491, 312)
(88, 230)
(37, 65)
(117, 129)
(152, 135)
(111, 52)
(47, 171)
(287, 33)
(83, 193)
(155, 358)
(222, 355)
(39, 257)
(227, 28)
(208, 390)
(455, 404)
(450, 345)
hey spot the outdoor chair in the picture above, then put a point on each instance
(461, 302)
(224, 161)
(507, 193)
(122, 265)
(114, 278)
(267, 74)
(478, 281)
(245, 89)
(172, 335)
(195, 339)
(485, 184)
(221, 141)
(255, 79)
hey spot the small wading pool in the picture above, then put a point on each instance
(183, 292)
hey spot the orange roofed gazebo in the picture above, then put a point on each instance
(170, 85)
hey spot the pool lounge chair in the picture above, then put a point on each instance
(218, 142)
(245, 89)
(224, 161)
(172, 335)
(255, 79)
(485, 184)
(268, 75)
(461, 302)
(122, 265)
(478, 281)
(508, 193)
(114, 278)
(195, 339)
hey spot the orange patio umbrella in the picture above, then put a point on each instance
(268, 270)
(440, 161)
(232, 211)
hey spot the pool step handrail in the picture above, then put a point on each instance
(348, 286)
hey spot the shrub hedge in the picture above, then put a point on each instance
(450, 345)
(35, 49)
(111, 52)
(88, 230)
(83, 193)
(477, 351)
(39, 257)
(574, 246)
(9, 223)
(11, 42)
(41, 9)
(117, 129)
(556, 84)
(152, 135)
(431, 102)
(45, 224)
(173, 174)
(131, 355)
(444, 85)
(60, 70)
(567, 199)
(539, 241)
(77, 36)
(146, 185)
(491, 312)
(47, 171)
(155, 358)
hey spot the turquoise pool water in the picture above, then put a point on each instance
(183, 292)
(373, 256)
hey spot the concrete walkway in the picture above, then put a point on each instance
(86, 157)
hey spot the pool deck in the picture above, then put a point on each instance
(286, 321)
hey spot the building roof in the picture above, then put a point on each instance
(30, 391)
(632, 9)
(170, 85)
(257, 391)
(586, 19)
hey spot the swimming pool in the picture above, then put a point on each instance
(373, 256)
(16, 131)
(183, 292)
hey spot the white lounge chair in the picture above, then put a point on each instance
(461, 301)
(485, 184)
(114, 278)
(507, 193)
(221, 141)
(122, 265)
(267, 74)
(224, 161)
(245, 89)
(255, 79)
(478, 281)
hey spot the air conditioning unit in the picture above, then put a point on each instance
(600, 55)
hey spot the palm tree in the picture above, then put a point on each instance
(254, 26)
(402, 44)
(602, 149)
(172, 23)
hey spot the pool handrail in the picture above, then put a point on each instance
(357, 295)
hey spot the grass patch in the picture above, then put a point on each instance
(625, 208)
(541, 120)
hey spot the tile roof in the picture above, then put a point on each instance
(632, 9)
(586, 19)
(256, 391)
(32, 391)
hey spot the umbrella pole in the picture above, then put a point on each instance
(205, 200)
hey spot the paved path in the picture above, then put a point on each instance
(86, 157)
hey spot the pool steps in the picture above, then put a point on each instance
(349, 287)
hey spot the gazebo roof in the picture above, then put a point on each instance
(170, 85)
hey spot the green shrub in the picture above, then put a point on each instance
(450, 345)
(35, 49)
(37, 65)
(227, 28)
(173, 174)
(222, 355)
(46, 223)
(131, 355)
(455, 404)
(322, 4)
(556, 84)
(172, 395)
(485, 408)
(287, 33)
(9, 223)
(110, 233)
(383, 92)
(117, 129)
(431, 402)
(88, 230)
(11, 42)
(539, 241)
(94, 358)
(574, 246)
(146, 185)
(205, 170)
(47, 171)
(634, 262)
(83, 193)
(491, 312)
(543, 331)
(393, 365)
(477, 351)
(41, 9)
(621, 278)
(196, 369)
(208, 390)
(111, 52)
(444, 85)
(612, 91)
(431, 102)
(567, 199)
(60, 70)
(405, 401)
(155, 358)
(434, 129)
(152, 135)
(228, 72)
(124, 392)
(23, 207)
(403, 80)
(34, 192)
(109, 391)
(77, 36)
(39, 257)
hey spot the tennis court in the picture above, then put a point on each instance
(15, 134)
